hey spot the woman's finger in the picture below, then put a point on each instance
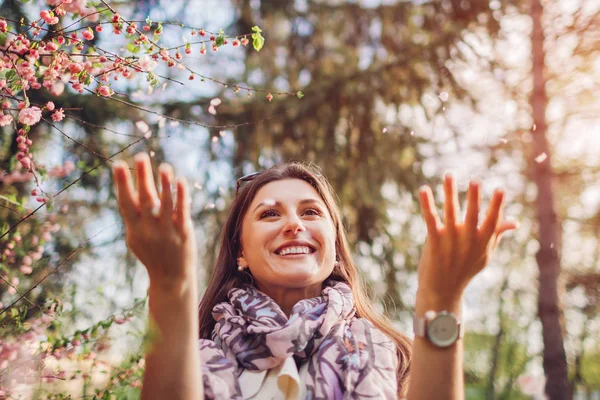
(145, 182)
(430, 214)
(450, 203)
(489, 225)
(183, 203)
(126, 194)
(473, 205)
(166, 197)
(506, 226)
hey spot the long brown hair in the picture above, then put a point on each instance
(226, 276)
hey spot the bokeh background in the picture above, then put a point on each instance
(396, 93)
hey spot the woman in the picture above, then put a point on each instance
(284, 315)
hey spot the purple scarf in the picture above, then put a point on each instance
(348, 358)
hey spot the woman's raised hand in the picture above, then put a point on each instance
(159, 234)
(455, 251)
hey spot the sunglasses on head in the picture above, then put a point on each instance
(245, 178)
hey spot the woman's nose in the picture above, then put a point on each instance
(294, 225)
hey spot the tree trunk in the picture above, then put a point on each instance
(549, 309)
(496, 349)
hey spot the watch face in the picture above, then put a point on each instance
(443, 330)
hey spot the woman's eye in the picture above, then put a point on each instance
(312, 211)
(268, 213)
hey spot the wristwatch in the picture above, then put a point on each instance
(442, 328)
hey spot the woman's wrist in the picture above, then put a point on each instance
(432, 302)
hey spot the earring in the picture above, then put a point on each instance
(336, 263)
(241, 268)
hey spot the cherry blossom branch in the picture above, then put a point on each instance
(67, 187)
(81, 246)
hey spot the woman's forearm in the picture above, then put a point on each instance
(436, 373)
(173, 357)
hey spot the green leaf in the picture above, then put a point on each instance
(220, 40)
(299, 94)
(258, 40)
(130, 47)
(10, 74)
(148, 21)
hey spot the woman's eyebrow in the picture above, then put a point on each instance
(278, 203)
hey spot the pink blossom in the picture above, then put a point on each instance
(105, 91)
(57, 89)
(88, 34)
(50, 106)
(147, 64)
(26, 269)
(91, 14)
(33, 55)
(75, 68)
(51, 46)
(58, 115)
(15, 176)
(25, 162)
(5, 119)
(30, 116)
(3, 26)
(78, 86)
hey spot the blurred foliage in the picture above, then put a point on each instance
(358, 67)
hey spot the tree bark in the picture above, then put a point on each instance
(496, 349)
(549, 308)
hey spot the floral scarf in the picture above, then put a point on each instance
(348, 358)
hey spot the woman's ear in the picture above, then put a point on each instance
(241, 260)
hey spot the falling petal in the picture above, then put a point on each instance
(215, 102)
(534, 127)
(142, 126)
(384, 130)
(198, 186)
(212, 110)
(444, 96)
(215, 139)
(541, 158)
(152, 154)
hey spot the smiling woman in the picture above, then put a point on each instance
(284, 315)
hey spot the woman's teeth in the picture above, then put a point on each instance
(295, 250)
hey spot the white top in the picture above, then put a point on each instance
(284, 382)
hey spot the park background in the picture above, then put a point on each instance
(384, 96)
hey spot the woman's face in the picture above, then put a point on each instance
(288, 237)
